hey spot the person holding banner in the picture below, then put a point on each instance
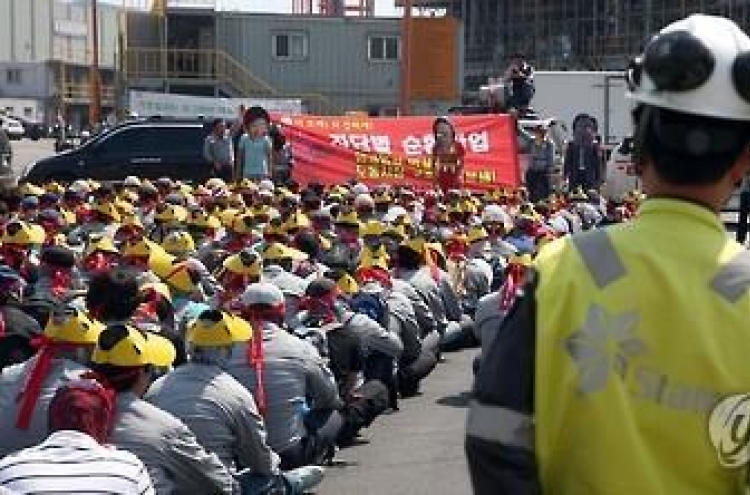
(447, 156)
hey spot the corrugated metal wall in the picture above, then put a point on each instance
(336, 65)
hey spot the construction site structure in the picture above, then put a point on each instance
(567, 34)
(334, 8)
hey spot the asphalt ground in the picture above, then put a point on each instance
(417, 450)
(27, 151)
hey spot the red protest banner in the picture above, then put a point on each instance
(384, 150)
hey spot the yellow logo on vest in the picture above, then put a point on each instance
(605, 344)
(729, 430)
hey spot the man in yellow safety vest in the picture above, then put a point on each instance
(623, 366)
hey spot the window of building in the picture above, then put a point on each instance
(13, 76)
(383, 48)
(290, 46)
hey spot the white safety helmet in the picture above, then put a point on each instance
(266, 185)
(699, 65)
(363, 201)
(494, 213)
(131, 181)
(360, 189)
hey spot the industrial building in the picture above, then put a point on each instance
(334, 55)
(46, 53)
(567, 34)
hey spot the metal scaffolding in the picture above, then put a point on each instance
(334, 8)
(568, 34)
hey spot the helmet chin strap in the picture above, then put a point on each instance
(639, 137)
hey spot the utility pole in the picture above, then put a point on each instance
(95, 83)
(648, 19)
(406, 35)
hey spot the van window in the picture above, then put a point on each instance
(183, 140)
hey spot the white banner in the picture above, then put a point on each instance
(148, 104)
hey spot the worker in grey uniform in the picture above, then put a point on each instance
(176, 462)
(220, 411)
(26, 389)
(410, 267)
(300, 394)
(278, 264)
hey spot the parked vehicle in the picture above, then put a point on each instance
(150, 149)
(6, 161)
(12, 127)
(31, 130)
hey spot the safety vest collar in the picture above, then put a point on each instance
(654, 207)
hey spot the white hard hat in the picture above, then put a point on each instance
(262, 293)
(266, 185)
(131, 181)
(363, 200)
(494, 213)
(360, 189)
(699, 65)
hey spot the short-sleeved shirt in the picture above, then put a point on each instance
(74, 462)
(255, 152)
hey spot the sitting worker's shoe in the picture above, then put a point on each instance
(304, 479)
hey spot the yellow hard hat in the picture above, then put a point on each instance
(200, 218)
(141, 248)
(107, 209)
(125, 346)
(477, 233)
(351, 218)
(54, 188)
(521, 259)
(72, 326)
(243, 263)
(29, 189)
(23, 233)
(416, 244)
(215, 328)
(178, 243)
(382, 197)
(132, 221)
(279, 251)
(376, 260)
(347, 284)
(178, 275)
(68, 216)
(368, 257)
(104, 244)
(373, 228)
(160, 288)
(170, 214)
(243, 223)
(236, 201)
(398, 232)
(297, 220)
(261, 211)
(227, 216)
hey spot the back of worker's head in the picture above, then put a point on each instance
(692, 90)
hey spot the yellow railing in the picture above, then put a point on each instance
(204, 65)
(213, 65)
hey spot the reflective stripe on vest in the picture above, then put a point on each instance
(600, 257)
(500, 425)
(733, 280)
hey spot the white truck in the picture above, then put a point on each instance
(600, 94)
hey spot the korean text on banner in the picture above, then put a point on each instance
(398, 150)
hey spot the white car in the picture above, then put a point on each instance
(621, 177)
(13, 128)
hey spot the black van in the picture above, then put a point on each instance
(147, 149)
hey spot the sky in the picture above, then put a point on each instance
(382, 7)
